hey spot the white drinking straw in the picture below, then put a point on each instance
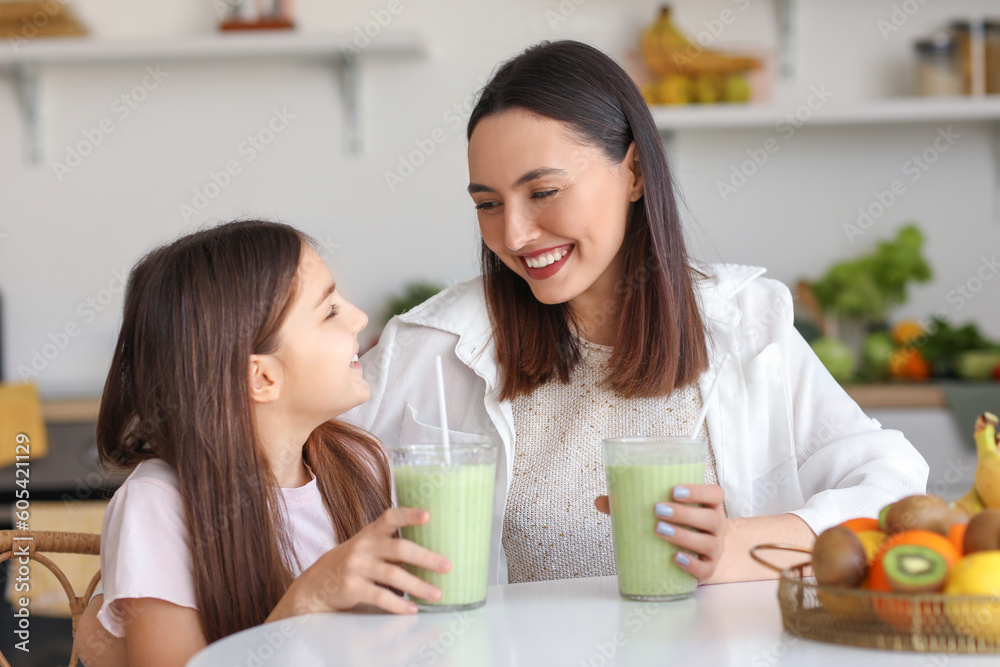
(444, 412)
(708, 398)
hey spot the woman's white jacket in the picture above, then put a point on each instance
(785, 435)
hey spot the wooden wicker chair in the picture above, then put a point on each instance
(53, 542)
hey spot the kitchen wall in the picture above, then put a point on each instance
(68, 238)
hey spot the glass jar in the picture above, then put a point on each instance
(970, 39)
(938, 71)
(992, 38)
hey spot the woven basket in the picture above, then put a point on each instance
(934, 623)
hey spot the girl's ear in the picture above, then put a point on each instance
(635, 172)
(265, 378)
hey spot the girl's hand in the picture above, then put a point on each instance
(699, 530)
(350, 574)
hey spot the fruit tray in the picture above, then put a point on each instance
(934, 623)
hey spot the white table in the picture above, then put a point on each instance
(572, 622)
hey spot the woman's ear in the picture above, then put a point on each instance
(265, 378)
(635, 173)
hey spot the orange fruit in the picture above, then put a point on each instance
(862, 524)
(956, 535)
(918, 368)
(872, 541)
(927, 538)
(877, 579)
(897, 363)
(906, 331)
(909, 364)
(895, 609)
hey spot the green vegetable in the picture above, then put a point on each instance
(836, 356)
(868, 287)
(877, 350)
(945, 343)
(416, 293)
(976, 364)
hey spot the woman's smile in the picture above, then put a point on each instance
(543, 264)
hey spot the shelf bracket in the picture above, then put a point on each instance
(996, 170)
(26, 84)
(350, 90)
(785, 10)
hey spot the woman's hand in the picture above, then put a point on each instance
(698, 530)
(350, 574)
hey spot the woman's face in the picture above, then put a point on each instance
(317, 353)
(554, 210)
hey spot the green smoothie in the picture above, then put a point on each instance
(459, 498)
(645, 563)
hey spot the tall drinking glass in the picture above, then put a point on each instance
(642, 472)
(456, 488)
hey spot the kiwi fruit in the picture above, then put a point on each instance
(931, 513)
(983, 532)
(883, 513)
(839, 558)
(914, 568)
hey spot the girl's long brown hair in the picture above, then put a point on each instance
(660, 341)
(178, 389)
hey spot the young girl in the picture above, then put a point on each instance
(591, 321)
(236, 354)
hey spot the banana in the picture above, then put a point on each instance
(667, 50)
(662, 40)
(985, 491)
(737, 88)
(970, 504)
(988, 467)
(708, 89)
(674, 89)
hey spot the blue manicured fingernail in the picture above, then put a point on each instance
(682, 559)
(664, 511)
(681, 492)
(665, 529)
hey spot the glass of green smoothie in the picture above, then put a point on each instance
(456, 487)
(642, 472)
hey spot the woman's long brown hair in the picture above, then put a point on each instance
(178, 389)
(660, 341)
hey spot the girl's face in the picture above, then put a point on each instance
(317, 357)
(554, 210)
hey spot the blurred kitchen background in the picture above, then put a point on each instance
(820, 130)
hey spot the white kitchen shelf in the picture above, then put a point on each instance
(897, 110)
(986, 109)
(26, 60)
(72, 50)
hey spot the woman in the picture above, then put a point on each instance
(590, 321)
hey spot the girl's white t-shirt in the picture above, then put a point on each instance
(144, 540)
